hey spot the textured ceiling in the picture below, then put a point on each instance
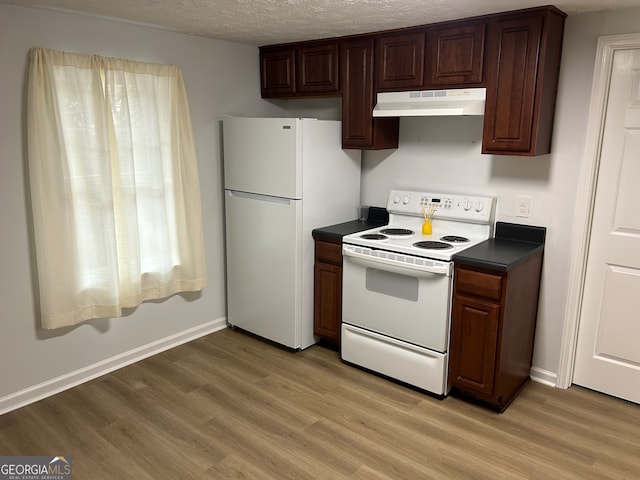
(262, 22)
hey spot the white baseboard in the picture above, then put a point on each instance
(544, 376)
(66, 381)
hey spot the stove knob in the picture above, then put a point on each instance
(396, 199)
(405, 199)
(479, 207)
(466, 205)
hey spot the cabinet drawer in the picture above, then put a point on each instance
(329, 252)
(478, 284)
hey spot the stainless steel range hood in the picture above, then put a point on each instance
(461, 101)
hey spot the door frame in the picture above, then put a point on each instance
(585, 198)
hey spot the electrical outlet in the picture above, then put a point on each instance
(523, 204)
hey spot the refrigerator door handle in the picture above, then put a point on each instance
(256, 196)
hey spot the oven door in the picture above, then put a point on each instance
(403, 297)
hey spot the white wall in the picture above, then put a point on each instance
(221, 78)
(443, 154)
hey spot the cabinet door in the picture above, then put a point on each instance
(277, 71)
(473, 345)
(317, 68)
(514, 45)
(359, 128)
(400, 61)
(456, 55)
(327, 301)
(522, 80)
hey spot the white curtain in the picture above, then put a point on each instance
(114, 185)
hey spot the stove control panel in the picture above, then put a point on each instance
(469, 208)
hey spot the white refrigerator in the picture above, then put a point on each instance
(283, 177)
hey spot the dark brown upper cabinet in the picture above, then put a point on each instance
(317, 68)
(359, 128)
(277, 71)
(400, 61)
(306, 69)
(455, 55)
(523, 65)
(515, 55)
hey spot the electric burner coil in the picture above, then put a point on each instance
(454, 239)
(374, 236)
(432, 245)
(397, 231)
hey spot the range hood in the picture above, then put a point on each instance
(460, 101)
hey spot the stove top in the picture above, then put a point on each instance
(442, 244)
(458, 222)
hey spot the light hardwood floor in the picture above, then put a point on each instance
(231, 406)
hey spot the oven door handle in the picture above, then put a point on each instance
(397, 266)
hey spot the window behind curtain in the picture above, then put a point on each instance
(114, 185)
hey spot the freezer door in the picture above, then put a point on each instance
(263, 237)
(263, 155)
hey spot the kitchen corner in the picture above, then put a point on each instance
(377, 216)
(327, 312)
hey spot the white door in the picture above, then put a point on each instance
(608, 348)
(397, 299)
(263, 266)
(263, 155)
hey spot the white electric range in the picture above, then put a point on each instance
(397, 285)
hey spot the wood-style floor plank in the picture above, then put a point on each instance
(230, 406)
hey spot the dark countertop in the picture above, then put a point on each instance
(336, 232)
(498, 254)
(512, 245)
(376, 217)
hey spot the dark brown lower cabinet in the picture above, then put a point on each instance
(492, 331)
(476, 336)
(327, 300)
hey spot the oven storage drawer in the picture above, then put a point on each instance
(402, 361)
